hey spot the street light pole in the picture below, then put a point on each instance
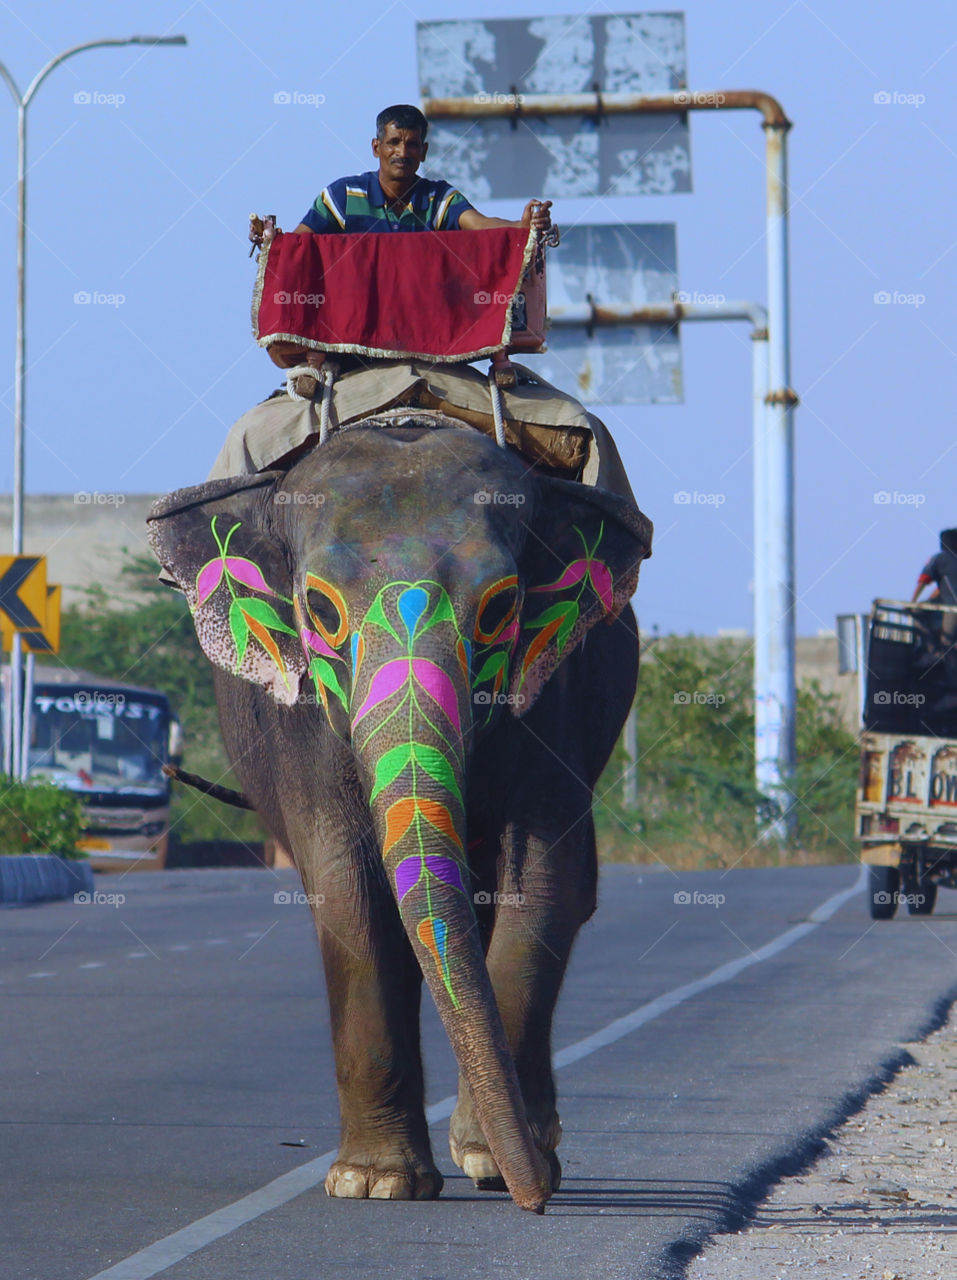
(13, 764)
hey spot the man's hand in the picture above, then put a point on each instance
(536, 215)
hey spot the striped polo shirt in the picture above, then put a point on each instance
(359, 204)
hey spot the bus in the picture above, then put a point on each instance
(107, 742)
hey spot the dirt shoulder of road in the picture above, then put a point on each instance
(879, 1204)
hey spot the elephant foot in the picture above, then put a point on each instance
(386, 1178)
(476, 1161)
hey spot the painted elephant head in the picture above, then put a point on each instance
(415, 584)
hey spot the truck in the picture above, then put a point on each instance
(906, 808)
(107, 742)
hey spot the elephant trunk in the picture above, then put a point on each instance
(418, 811)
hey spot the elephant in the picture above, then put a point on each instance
(418, 699)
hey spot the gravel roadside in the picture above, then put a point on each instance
(880, 1204)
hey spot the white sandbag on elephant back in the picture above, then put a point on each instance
(541, 421)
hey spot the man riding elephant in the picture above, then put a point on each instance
(397, 197)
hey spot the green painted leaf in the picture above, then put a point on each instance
(565, 630)
(551, 613)
(263, 612)
(325, 674)
(389, 766)
(443, 612)
(437, 767)
(376, 616)
(240, 629)
(490, 667)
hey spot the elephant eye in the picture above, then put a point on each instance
(326, 609)
(496, 610)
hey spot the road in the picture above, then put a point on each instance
(168, 1104)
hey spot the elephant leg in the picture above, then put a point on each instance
(374, 986)
(537, 916)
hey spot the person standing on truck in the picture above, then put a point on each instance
(942, 570)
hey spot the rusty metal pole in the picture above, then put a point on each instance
(774, 688)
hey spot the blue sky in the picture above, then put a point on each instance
(143, 193)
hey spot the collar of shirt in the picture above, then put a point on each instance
(417, 197)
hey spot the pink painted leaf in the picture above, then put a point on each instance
(439, 687)
(313, 640)
(601, 581)
(383, 685)
(207, 580)
(249, 574)
(574, 573)
(510, 634)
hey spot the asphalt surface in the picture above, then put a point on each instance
(158, 1054)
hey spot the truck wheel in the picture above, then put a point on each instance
(884, 885)
(923, 899)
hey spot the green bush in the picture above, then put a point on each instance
(37, 817)
(696, 796)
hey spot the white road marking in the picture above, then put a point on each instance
(92, 964)
(181, 946)
(41, 974)
(165, 1253)
(215, 942)
(136, 955)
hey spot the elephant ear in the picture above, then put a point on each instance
(213, 540)
(582, 555)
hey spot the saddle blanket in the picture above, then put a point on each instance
(446, 295)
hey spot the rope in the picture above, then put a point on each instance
(497, 414)
(327, 376)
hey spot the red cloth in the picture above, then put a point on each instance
(445, 295)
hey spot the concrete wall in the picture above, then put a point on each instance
(85, 536)
(817, 660)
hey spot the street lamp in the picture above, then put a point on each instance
(13, 763)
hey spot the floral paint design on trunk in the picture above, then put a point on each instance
(411, 718)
